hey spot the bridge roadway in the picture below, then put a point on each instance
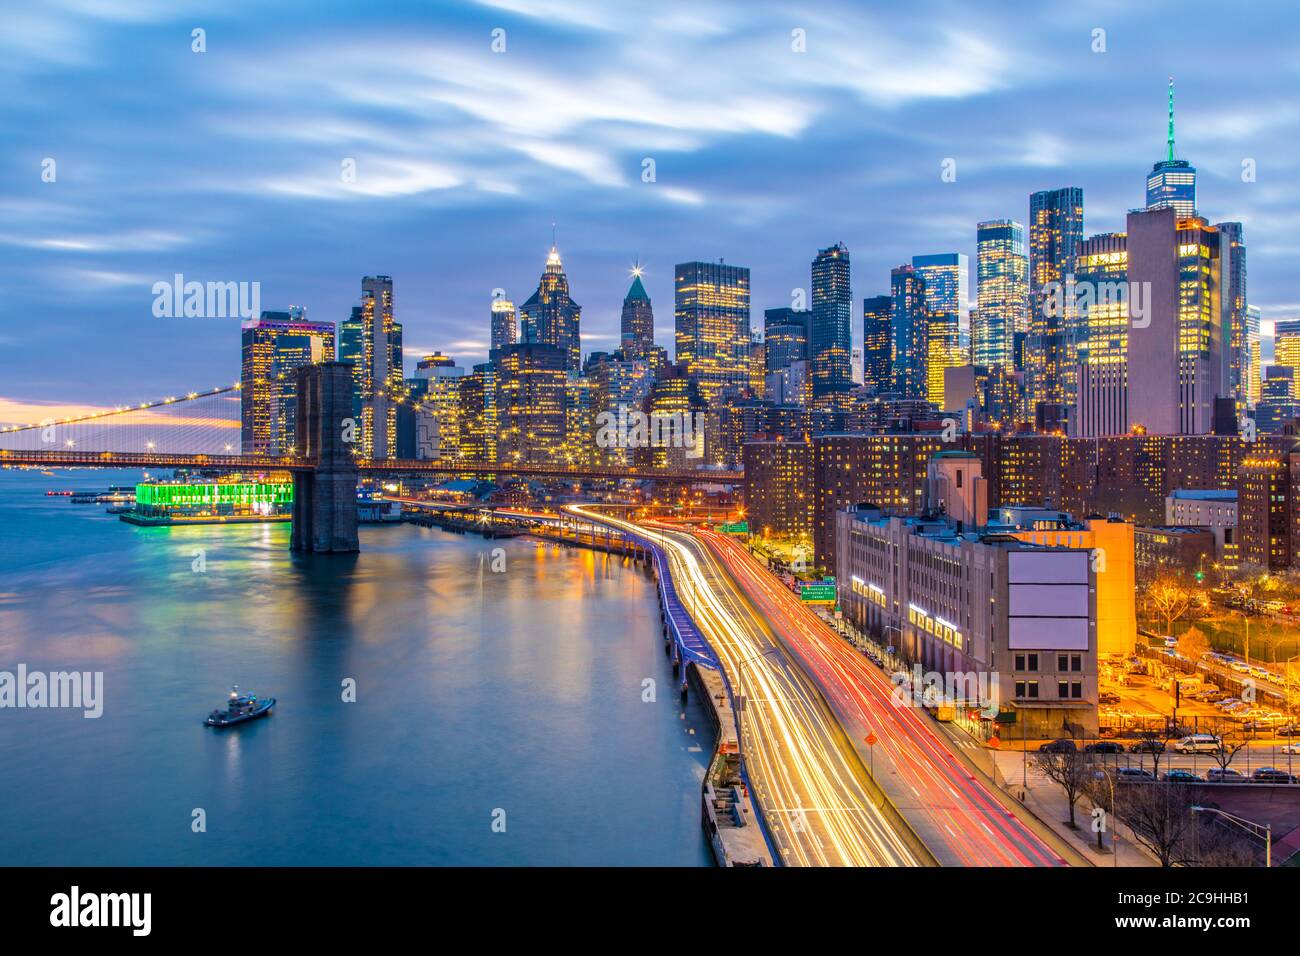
(71, 458)
(961, 820)
(816, 799)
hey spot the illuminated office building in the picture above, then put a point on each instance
(1255, 357)
(674, 395)
(1055, 231)
(531, 382)
(1002, 268)
(1286, 346)
(945, 278)
(436, 408)
(1101, 344)
(477, 414)
(1278, 406)
(1178, 360)
(620, 385)
(1266, 509)
(909, 345)
(551, 317)
(785, 337)
(877, 317)
(372, 341)
(272, 346)
(579, 421)
(1172, 182)
(831, 339)
(711, 315)
(1233, 247)
(778, 489)
(505, 323)
(637, 325)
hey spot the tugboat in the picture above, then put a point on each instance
(239, 708)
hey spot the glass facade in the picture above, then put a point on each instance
(272, 347)
(1002, 269)
(946, 277)
(1055, 231)
(711, 315)
(830, 343)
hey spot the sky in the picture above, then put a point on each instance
(476, 130)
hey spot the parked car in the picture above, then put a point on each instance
(1224, 775)
(1133, 773)
(1271, 775)
(1179, 775)
(1104, 747)
(1208, 696)
(1108, 697)
(1291, 748)
(1199, 744)
(1147, 747)
(1058, 746)
(1289, 730)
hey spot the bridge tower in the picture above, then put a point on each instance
(325, 498)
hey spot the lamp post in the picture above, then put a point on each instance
(1247, 825)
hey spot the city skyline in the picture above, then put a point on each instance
(91, 276)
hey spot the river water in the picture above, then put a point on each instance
(485, 701)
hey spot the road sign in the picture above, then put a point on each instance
(818, 593)
(871, 739)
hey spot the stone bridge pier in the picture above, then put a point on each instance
(325, 499)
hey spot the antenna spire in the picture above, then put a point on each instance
(1171, 119)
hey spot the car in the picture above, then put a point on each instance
(1199, 744)
(1134, 773)
(1058, 746)
(1291, 748)
(1240, 666)
(1271, 775)
(1108, 697)
(1227, 702)
(1209, 696)
(1147, 747)
(1224, 775)
(1289, 730)
(1179, 775)
(1104, 747)
(1265, 722)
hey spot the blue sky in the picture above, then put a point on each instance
(225, 165)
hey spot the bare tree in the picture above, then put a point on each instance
(1216, 845)
(1169, 598)
(1071, 770)
(1231, 741)
(1160, 817)
(1154, 742)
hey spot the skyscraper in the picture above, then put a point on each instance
(946, 276)
(831, 341)
(637, 327)
(272, 346)
(1234, 291)
(477, 414)
(785, 337)
(1172, 182)
(1178, 356)
(531, 382)
(1101, 267)
(1002, 268)
(1286, 346)
(711, 315)
(1055, 231)
(909, 333)
(877, 312)
(372, 341)
(551, 317)
(505, 329)
(1256, 359)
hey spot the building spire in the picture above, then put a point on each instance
(1171, 119)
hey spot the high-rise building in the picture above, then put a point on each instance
(711, 315)
(505, 323)
(946, 276)
(1233, 246)
(1286, 346)
(778, 490)
(477, 414)
(272, 346)
(1055, 231)
(877, 317)
(437, 409)
(531, 382)
(551, 317)
(1002, 268)
(673, 396)
(1278, 406)
(785, 337)
(1101, 345)
(622, 386)
(372, 341)
(1172, 182)
(1255, 356)
(638, 320)
(1265, 506)
(909, 345)
(831, 342)
(1178, 352)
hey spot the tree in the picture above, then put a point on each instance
(1231, 742)
(1155, 743)
(1193, 644)
(1161, 819)
(1071, 770)
(1169, 598)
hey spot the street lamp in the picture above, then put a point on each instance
(1249, 826)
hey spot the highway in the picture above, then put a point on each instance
(813, 791)
(960, 820)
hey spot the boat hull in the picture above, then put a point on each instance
(225, 720)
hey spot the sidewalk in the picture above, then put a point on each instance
(1046, 801)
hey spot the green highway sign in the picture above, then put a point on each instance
(818, 593)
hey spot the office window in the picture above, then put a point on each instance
(1063, 689)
